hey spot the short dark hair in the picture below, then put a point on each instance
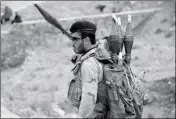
(89, 34)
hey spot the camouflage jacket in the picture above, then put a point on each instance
(88, 73)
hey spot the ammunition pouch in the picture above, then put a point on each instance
(74, 92)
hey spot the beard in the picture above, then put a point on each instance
(79, 49)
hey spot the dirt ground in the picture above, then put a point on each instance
(35, 58)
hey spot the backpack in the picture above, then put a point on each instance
(124, 96)
(117, 89)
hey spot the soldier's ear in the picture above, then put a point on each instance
(87, 40)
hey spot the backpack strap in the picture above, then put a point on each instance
(78, 64)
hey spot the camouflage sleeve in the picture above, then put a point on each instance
(89, 78)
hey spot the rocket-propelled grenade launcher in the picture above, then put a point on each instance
(49, 18)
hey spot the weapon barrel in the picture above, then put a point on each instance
(49, 18)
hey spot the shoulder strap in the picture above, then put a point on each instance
(96, 60)
(81, 61)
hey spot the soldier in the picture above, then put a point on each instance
(98, 91)
(7, 14)
(17, 19)
(85, 91)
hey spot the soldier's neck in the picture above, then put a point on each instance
(89, 49)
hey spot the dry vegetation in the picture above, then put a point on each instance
(36, 70)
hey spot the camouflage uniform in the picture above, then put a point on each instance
(88, 92)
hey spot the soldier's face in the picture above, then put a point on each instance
(78, 43)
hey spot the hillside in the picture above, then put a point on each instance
(36, 67)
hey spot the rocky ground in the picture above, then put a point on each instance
(35, 64)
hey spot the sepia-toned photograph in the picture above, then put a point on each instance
(88, 59)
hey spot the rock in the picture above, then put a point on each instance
(168, 34)
(172, 99)
(158, 31)
(164, 20)
(169, 82)
(100, 7)
(146, 98)
(136, 58)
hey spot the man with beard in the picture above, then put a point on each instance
(87, 89)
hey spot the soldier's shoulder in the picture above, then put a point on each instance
(91, 61)
(91, 64)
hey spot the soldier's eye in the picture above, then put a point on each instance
(75, 38)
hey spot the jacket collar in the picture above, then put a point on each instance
(84, 57)
(93, 50)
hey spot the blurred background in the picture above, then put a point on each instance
(35, 57)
